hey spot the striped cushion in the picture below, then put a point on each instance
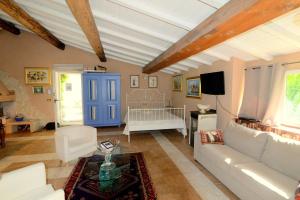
(297, 193)
(212, 137)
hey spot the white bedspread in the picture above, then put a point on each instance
(141, 120)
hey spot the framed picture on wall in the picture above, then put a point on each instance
(134, 81)
(177, 83)
(152, 82)
(38, 89)
(37, 75)
(193, 87)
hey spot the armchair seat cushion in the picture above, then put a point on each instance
(78, 145)
(37, 193)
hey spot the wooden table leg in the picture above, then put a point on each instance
(2, 136)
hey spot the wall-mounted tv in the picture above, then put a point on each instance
(213, 83)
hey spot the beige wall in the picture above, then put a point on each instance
(234, 85)
(28, 50)
(233, 68)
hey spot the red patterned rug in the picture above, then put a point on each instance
(134, 183)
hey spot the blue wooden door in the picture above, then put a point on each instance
(110, 85)
(92, 98)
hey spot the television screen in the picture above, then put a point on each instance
(212, 83)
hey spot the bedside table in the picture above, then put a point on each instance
(199, 121)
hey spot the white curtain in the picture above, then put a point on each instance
(264, 91)
(272, 115)
(256, 92)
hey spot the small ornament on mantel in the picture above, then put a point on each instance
(100, 68)
(97, 68)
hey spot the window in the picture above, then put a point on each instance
(291, 106)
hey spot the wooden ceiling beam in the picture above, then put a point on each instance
(83, 14)
(16, 12)
(234, 18)
(10, 27)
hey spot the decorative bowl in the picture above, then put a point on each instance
(203, 108)
(19, 118)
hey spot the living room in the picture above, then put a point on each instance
(118, 99)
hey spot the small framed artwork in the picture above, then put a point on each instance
(152, 82)
(134, 81)
(177, 83)
(193, 87)
(37, 75)
(38, 90)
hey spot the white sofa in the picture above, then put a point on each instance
(28, 183)
(253, 164)
(72, 142)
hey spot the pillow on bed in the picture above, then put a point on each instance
(212, 137)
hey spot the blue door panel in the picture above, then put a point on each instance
(101, 99)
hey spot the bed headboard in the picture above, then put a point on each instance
(145, 98)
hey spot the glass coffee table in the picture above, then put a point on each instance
(113, 182)
(131, 181)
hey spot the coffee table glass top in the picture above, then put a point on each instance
(117, 149)
(133, 181)
(92, 172)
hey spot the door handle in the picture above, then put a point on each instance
(55, 100)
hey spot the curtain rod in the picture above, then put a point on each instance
(289, 63)
(258, 67)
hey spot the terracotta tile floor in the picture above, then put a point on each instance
(168, 181)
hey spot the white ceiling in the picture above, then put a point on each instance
(137, 31)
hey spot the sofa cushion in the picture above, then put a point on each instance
(264, 181)
(37, 193)
(223, 156)
(283, 155)
(245, 140)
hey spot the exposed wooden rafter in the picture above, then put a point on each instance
(234, 18)
(152, 49)
(83, 14)
(10, 27)
(20, 15)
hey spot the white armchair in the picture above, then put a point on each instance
(28, 183)
(72, 142)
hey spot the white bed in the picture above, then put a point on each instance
(146, 110)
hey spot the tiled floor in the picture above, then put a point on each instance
(170, 183)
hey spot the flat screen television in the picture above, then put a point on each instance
(212, 83)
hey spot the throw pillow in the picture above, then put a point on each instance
(297, 193)
(212, 137)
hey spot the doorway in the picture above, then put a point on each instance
(68, 95)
